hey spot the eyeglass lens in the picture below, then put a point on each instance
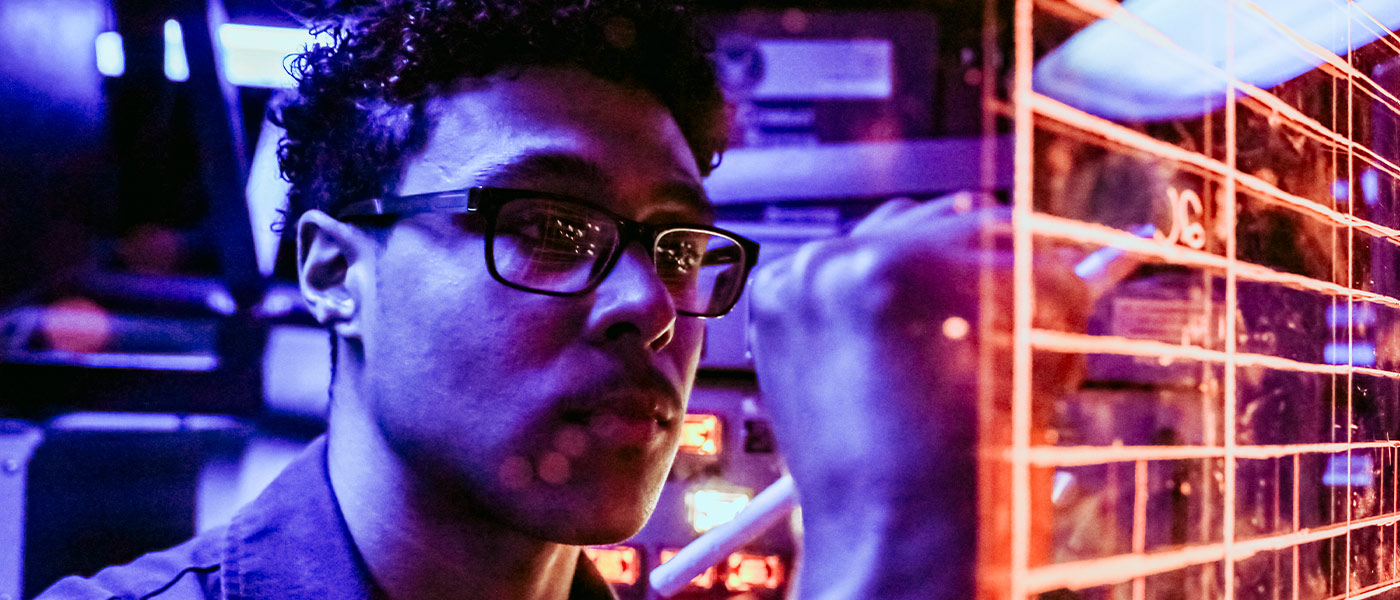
(559, 246)
(702, 270)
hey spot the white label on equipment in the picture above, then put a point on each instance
(1172, 321)
(824, 69)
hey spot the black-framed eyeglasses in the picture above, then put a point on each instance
(563, 246)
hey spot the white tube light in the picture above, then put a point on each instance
(177, 66)
(255, 55)
(111, 59)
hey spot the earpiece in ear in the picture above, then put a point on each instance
(344, 308)
(340, 309)
(342, 313)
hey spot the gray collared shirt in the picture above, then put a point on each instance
(291, 543)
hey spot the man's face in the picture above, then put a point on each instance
(556, 416)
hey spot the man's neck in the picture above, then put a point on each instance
(415, 545)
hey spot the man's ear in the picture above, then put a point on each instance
(331, 269)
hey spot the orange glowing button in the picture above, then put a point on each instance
(617, 564)
(704, 580)
(700, 434)
(749, 571)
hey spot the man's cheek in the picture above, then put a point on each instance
(687, 346)
(518, 319)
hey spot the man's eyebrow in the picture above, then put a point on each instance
(690, 196)
(546, 166)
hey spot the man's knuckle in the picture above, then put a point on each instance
(874, 281)
(767, 292)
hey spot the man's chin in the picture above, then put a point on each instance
(595, 517)
(601, 537)
(589, 531)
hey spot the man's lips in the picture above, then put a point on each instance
(626, 417)
(627, 411)
(610, 429)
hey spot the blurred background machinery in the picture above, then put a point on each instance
(157, 366)
(1239, 418)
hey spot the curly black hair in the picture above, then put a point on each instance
(360, 103)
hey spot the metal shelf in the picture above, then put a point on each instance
(857, 170)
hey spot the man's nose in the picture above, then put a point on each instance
(633, 301)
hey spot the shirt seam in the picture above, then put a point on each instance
(176, 579)
(233, 576)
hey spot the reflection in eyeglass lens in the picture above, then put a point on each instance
(696, 267)
(552, 245)
(561, 246)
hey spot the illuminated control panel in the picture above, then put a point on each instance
(727, 455)
(756, 574)
(754, 571)
(703, 581)
(701, 435)
(619, 565)
(708, 507)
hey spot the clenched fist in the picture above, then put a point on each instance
(868, 349)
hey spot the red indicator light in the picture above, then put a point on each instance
(77, 324)
(749, 571)
(704, 580)
(700, 434)
(617, 564)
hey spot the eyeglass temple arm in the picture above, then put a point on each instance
(453, 201)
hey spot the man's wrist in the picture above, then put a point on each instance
(922, 548)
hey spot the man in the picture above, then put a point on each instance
(500, 219)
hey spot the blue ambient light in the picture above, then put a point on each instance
(1362, 315)
(1371, 186)
(1363, 354)
(1113, 68)
(1341, 471)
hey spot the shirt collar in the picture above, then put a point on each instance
(291, 543)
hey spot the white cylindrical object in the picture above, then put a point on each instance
(767, 508)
